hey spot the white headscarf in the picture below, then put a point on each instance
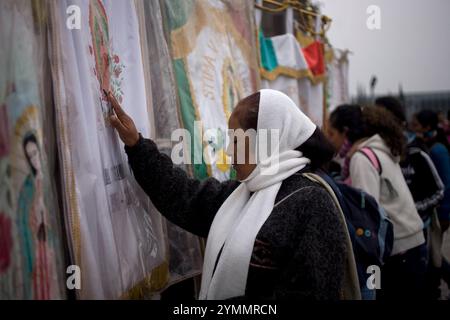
(242, 215)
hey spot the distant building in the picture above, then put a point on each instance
(414, 102)
(436, 101)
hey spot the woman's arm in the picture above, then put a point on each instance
(189, 203)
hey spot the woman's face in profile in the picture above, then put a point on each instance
(32, 153)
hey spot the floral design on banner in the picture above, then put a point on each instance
(108, 67)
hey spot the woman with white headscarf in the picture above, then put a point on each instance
(273, 234)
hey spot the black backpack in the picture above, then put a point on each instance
(370, 230)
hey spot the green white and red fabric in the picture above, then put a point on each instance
(291, 69)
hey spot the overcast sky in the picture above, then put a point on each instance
(412, 47)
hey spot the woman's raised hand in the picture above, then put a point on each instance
(123, 123)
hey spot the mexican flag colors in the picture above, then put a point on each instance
(296, 66)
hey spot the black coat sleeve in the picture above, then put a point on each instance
(426, 186)
(189, 203)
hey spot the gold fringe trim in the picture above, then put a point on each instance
(329, 56)
(304, 40)
(154, 282)
(293, 73)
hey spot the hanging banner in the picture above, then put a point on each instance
(115, 234)
(214, 60)
(338, 81)
(31, 255)
(185, 258)
(297, 72)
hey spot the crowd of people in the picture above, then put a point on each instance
(288, 235)
(413, 186)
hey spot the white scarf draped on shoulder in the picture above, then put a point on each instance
(241, 216)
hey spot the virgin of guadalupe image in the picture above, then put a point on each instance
(232, 91)
(98, 23)
(231, 94)
(33, 226)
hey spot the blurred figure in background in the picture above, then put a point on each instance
(444, 124)
(344, 130)
(418, 168)
(377, 146)
(425, 125)
(426, 188)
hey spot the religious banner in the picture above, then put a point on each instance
(31, 255)
(115, 234)
(214, 59)
(184, 254)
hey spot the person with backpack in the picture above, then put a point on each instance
(371, 232)
(377, 145)
(370, 229)
(271, 234)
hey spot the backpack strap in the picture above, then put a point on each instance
(373, 158)
(287, 197)
(351, 289)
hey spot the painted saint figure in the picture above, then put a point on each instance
(33, 225)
